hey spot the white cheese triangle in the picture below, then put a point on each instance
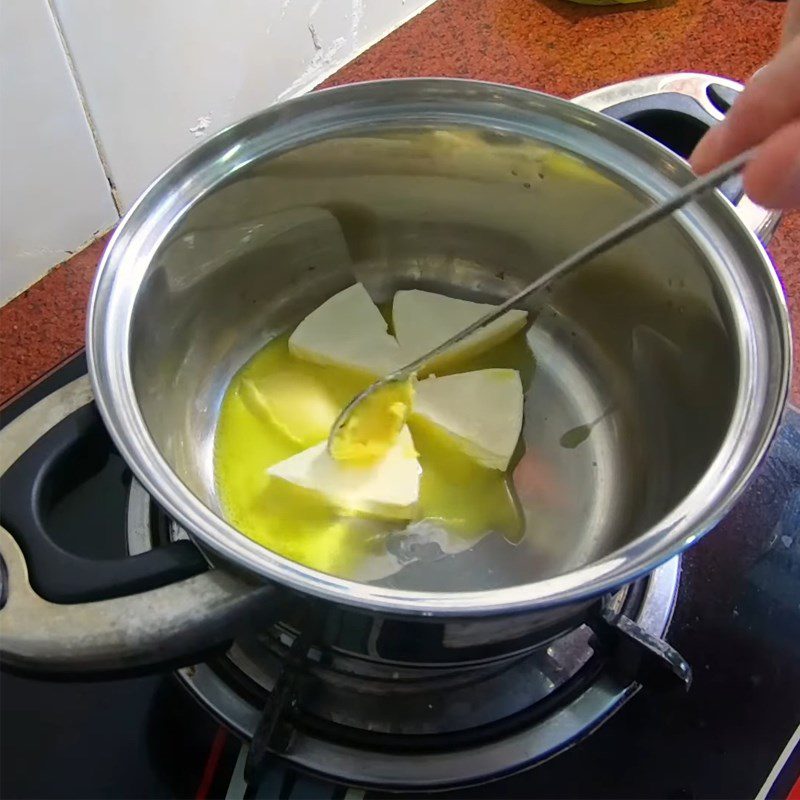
(387, 487)
(347, 331)
(422, 320)
(481, 411)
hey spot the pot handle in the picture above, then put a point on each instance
(676, 110)
(168, 627)
(31, 486)
(75, 616)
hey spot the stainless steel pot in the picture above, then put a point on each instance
(668, 360)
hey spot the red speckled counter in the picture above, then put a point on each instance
(549, 45)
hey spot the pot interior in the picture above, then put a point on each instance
(636, 357)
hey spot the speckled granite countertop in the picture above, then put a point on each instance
(549, 45)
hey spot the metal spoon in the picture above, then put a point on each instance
(619, 234)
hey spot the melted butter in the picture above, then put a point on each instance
(459, 493)
(456, 494)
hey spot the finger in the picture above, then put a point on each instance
(769, 101)
(707, 154)
(791, 22)
(773, 178)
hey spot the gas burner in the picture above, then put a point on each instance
(358, 721)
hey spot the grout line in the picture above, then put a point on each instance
(335, 67)
(101, 155)
(302, 89)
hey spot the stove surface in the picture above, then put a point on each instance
(737, 622)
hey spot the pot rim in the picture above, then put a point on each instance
(145, 226)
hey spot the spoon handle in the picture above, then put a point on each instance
(614, 237)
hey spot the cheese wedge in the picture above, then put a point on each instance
(481, 411)
(422, 320)
(387, 487)
(347, 331)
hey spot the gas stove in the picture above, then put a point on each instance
(603, 711)
(320, 722)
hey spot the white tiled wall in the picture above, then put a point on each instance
(53, 193)
(155, 77)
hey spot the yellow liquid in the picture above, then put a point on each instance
(456, 494)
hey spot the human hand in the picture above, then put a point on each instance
(767, 114)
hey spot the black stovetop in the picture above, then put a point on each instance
(737, 622)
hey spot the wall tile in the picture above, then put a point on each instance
(160, 76)
(53, 193)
